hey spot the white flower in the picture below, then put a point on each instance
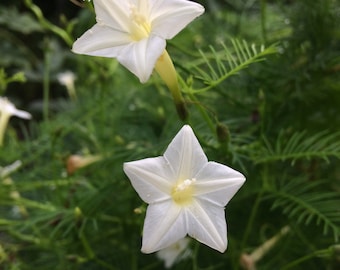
(175, 252)
(7, 109)
(67, 79)
(186, 194)
(134, 31)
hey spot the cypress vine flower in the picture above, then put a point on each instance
(135, 31)
(186, 194)
(7, 109)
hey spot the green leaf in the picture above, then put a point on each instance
(307, 203)
(216, 66)
(299, 145)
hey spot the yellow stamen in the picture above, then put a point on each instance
(140, 27)
(182, 193)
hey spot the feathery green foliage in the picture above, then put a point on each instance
(215, 67)
(303, 202)
(300, 145)
(277, 121)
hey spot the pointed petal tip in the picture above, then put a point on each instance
(241, 179)
(144, 79)
(200, 9)
(75, 46)
(221, 246)
(222, 249)
(145, 250)
(22, 114)
(148, 250)
(127, 166)
(187, 129)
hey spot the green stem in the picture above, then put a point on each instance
(194, 257)
(48, 25)
(251, 219)
(203, 112)
(255, 207)
(89, 251)
(87, 247)
(293, 264)
(25, 237)
(46, 83)
(263, 20)
(35, 204)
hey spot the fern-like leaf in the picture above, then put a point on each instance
(302, 202)
(217, 66)
(300, 145)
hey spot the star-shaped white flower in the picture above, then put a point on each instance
(134, 31)
(7, 109)
(186, 194)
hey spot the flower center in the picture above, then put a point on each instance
(182, 192)
(140, 27)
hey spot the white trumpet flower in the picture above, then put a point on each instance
(186, 194)
(7, 109)
(135, 31)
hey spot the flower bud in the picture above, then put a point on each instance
(223, 134)
(76, 162)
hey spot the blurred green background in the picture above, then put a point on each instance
(277, 121)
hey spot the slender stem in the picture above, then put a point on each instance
(255, 207)
(263, 20)
(88, 250)
(46, 82)
(293, 264)
(204, 113)
(194, 257)
(251, 219)
(48, 25)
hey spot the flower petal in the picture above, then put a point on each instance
(168, 18)
(207, 224)
(140, 57)
(101, 40)
(8, 109)
(150, 178)
(175, 252)
(22, 114)
(185, 155)
(164, 225)
(217, 183)
(114, 14)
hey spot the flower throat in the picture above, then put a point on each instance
(140, 27)
(182, 193)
